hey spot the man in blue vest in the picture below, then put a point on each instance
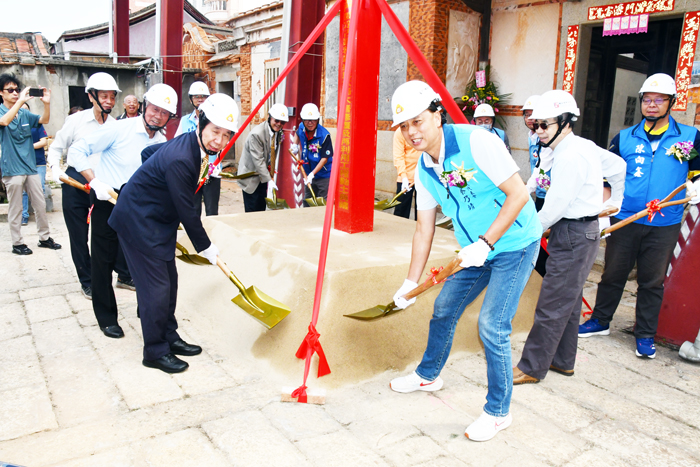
(151, 206)
(469, 173)
(485, 117)
(211, 190)
(316, 151)
(651, 174)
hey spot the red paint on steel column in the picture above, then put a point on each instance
(354, 208)
(680, 311)
(303, 85)
(171, 18)
(120, 37)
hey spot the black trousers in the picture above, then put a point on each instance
(554, 334)
(652, 249)
(406, 200)
(255, 201)
(104, 246)
(541, 264)
(76, 205)
(156, 293)
(211, 192)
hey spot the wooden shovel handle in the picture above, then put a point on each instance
(447, 271)
(643, 213)
(76, 184)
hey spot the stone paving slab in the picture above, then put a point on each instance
(69, 396)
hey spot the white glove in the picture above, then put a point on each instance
(696, 189)
(273, 185)
(613, 204)
(400, 302)
(294, 148)
(405, 185)
(101, 189)
(309, 177)
(604, 223)
(210, 253)
(474, 254)
(57, 173)
(216, 171)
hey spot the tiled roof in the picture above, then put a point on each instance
(22, 47)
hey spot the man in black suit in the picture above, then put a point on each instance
(159, 197)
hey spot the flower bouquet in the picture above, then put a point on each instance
(682, 151)
(458, 177)
(487, 94)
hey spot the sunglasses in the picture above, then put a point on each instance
(11, 90)
(543, 125)
(657, 101)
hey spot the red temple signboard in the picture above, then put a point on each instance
(629, 9)
(686, 55)
(570, 58)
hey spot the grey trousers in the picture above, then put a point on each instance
(32, 185)
(554, 335)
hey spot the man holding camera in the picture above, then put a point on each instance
(18, 161)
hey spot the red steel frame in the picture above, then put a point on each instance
(120, 34)
(171, 17)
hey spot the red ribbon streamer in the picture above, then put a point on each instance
(320, 27)
(90, 212)
(653, 207)
(433, 273)
(300, 394)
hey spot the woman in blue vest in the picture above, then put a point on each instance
(316, 149)
(485, 117)
(469, 173)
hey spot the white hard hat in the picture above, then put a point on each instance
(531, 102)
(410, 99)
(659, 82)
(555, 103)
(279, 112)
(102, 82)
(221, 110)
(310, 112)
(199, 88)
(484, 110)
(163, 96)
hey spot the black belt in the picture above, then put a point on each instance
(582, 219)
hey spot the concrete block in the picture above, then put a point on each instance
(248, 438)
(300, 421)
(120, 457)
(186, 447)
(49, 308)
(413, 451)
(6, 298)
(25, 410)
(593, 457)
(20, 364)
(31, 293)
(203, 376)
(340, 449)
(58, 336)
(78, 302)
(13, 321)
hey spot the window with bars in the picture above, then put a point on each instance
(214, 5)
(272, 72)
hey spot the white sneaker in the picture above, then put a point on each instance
(486, 426)
(413, 382)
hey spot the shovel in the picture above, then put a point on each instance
(313, 201)
(380, 311)
(76, 184)
(388, 204)
(275, 203)
(257, 304)
(237, 177)
(664, 203)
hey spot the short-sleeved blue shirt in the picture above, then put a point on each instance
(17, 145)
(37, 134)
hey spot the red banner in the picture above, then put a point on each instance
(629, 9)
(686, 55)
(570, 58)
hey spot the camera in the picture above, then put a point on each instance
(36, 92)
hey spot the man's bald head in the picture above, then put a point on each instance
(131, 106)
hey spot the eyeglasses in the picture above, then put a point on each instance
(657, 101)
(11, 90)
(543, 125)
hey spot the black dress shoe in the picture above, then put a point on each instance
(115, 331)
(127, 284)
(49, 243)
(21, 249)
(180, 347)
(168, 363)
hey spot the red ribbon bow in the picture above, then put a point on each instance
(433, 273)
(300, 163)
(311, 343)
(653, 207)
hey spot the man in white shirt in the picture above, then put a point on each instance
(102, 91)
(120, 145)
(571, 208)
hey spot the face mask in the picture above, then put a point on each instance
(486, 126)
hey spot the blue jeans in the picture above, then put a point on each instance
(41, 169)
(506, 275)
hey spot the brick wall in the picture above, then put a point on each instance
(195, 57)
(246, 80)
(428, 26)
